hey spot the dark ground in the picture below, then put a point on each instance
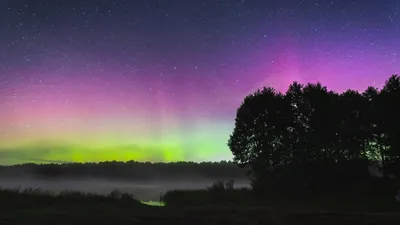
(34, 207)
(86, 214)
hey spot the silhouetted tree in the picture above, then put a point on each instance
(374, 142)
(352, 126)
(390, 123)
(260, 133)
(311, 136)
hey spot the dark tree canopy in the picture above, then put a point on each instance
(310, 135)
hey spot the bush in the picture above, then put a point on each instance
(220, 193)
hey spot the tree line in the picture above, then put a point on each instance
(130, 171)
(311, 136)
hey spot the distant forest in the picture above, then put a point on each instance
(130, 170)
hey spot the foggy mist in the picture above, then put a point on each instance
(144, 191)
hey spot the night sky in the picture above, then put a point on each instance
(87, 80)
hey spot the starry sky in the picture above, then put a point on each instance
(160, 80)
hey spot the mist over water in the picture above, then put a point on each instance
(142, 190)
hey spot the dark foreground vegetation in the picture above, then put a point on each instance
(357, 199)
(37, 207)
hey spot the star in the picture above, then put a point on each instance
(118, 63)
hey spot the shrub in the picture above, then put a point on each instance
(220, 193)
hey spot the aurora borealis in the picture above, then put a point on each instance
(153, 80)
